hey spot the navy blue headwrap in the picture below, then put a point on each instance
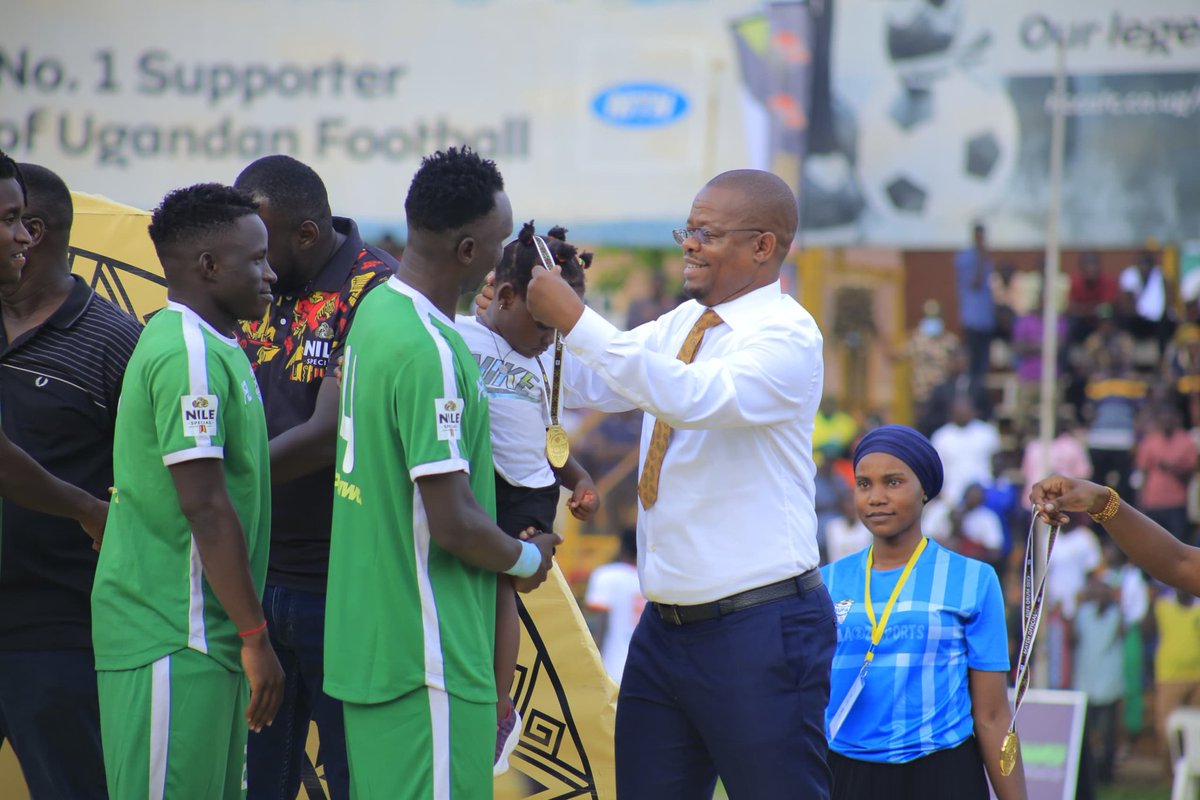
(910, 447)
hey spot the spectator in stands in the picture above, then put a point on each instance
(1175, 620)
(614, 594)
(1028, 336)
(845, 534)
(1090, 289)
(975, 530)
(931, 352)
(1144, 300)
(966, 445)
(1076, 555)
(833, 429)
(830, 492)
(1167, 458)
(976, 306)
(1108, 348)
(1007, 293)
(1066, 455)
(1181, 367)
(1098, 674)
(936, 411)
(1004, 496)
(1114, 398)
(647, 309)
(1135, 604)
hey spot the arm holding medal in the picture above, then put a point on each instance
(993, 717)
(1147, 543)
(762, 384)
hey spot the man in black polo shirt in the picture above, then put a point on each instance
(63, 351)
(324, 271)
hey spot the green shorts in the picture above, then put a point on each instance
(424, 745)
(175, 728)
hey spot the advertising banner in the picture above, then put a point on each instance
(604, 115)
(912, 118)
(942, 112)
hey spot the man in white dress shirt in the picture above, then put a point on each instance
(728, 669)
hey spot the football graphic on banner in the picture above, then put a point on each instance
(936, 157)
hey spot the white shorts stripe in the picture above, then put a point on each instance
(439, 716)
(160, 725)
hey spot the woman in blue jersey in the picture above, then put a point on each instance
(918, 704)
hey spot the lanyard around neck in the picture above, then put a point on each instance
(877, 628)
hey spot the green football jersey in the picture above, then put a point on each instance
(188, 394)
(401, 612)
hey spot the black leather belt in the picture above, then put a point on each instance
(789, 587)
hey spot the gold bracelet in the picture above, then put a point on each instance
(1110, 508)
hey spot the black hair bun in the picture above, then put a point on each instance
(525, 237)
(557, 232)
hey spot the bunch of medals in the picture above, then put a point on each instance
(1031, 615)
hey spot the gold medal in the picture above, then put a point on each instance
(558, 446)
(1008, 753)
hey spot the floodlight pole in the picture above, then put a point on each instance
(1048, 412)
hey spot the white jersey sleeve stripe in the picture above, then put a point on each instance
(435, 668)
(449, 385)
(192, 454)
(193, 338)
(440, 468)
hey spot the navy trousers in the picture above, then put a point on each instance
(742, 696)
(50, 713)
(296, 623)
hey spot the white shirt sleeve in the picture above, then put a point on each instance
(765, 382)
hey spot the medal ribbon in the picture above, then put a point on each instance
(877, 629)
(1031, 612)
(543, 252)
(552, 398)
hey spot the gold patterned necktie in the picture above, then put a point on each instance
(661, 437)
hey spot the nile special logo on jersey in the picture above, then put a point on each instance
(199, 412)
(317, 349)
(841, 609)
(448, 414)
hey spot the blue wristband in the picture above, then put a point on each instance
(529, 562)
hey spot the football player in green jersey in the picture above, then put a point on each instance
(178, 624)
(415, 549)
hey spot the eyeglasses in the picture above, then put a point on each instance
(706, 235)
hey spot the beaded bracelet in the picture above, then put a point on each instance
(1110, 508)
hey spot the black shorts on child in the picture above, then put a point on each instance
(521, 507)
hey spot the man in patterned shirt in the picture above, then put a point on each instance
(177, 616)
(324, 270)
